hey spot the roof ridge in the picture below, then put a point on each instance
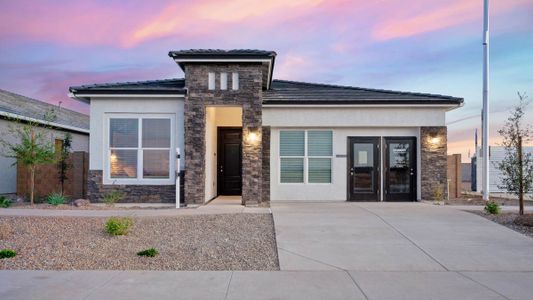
(43, 102)
(366, 89)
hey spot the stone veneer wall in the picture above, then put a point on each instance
(249, 97)
(434, 161)
(96, 191)
(266, 165)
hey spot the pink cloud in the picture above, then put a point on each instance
(404, 23)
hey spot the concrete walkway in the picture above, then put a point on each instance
(332, 251)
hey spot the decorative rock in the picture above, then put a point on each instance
(81, 202)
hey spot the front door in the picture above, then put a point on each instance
(400, 169)
(363, 168)
(229, 161)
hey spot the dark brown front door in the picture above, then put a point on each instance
(363, 168)
(400, 169)
(229, 161)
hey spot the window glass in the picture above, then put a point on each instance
(223, 81)
(123, 163)
(292, 143)
(292, 170)
(156, 133)
(156, 163)
(123, 133)
(235, 81)
(211, 81)
(319, 170)
(319, 143)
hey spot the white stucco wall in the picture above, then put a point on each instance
(8, 172)
(344, 122)
(102, 106)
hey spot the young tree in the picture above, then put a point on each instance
(517, 166)
(63, 165)
(30, 147)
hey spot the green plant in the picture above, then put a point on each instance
(492, 208)
(7, 253)
(55, 199)
(148, 252)
(113, 197)
(438, 193)
(118, 226)
(5, 202)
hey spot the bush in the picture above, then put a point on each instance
(113, 197)
(7, 253)
(492, 208)
(5, 202)
(148, 252)
(55, 199)
(118, 226)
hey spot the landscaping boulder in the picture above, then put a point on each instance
(82, 202)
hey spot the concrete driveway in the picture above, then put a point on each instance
(406, 250)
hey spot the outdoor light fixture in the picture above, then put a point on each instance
(113, 157)
(434, 140)
(252, 136)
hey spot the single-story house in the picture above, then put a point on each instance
(240, 132)
(16, 108)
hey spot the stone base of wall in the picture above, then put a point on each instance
(96, 191)
(434, 162)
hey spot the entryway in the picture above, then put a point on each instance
(229, 163)
(381, 168)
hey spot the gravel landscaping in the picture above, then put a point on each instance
(470, 199)
(522, 224)
(199, 242)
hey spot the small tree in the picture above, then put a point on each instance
(517, 166)
(63, 166)
(30, 146)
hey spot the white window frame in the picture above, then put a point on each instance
(139, 180)
(305, 158)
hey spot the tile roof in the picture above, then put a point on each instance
(293, 92)
(174, 84)
(35, 109)
(222, 53)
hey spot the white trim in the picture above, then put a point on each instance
(78, 95)
(357, 105)
(42, 122)
(139, 180)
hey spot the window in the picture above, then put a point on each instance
(223, 81)
(211, 81)
(235, 81)
(305, 156)
(139, 148)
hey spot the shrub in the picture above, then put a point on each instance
(148, 252)
(55, 199)
(7, 253)
(5, 202)
(438, 193)
(113, 197)
(118, 226)
(492, 208)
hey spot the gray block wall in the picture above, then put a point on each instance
(434, 161)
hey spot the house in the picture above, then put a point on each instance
(241, 132)
(496, 155)
(16, 108)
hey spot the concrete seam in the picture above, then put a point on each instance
(312, 259)
(407, 238)
(91, 291)
(356, 284)
(483, 285)
(229, 284)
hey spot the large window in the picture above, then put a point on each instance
(139, 148)
(305, 156)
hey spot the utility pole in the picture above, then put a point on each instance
(485, 114)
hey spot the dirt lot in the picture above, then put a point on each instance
(200, 242)
(477, 200)
(522, 224)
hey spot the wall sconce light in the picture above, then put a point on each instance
(253, 136)
(434, 140)
(113, 157)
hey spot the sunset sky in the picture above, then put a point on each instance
(408, 45)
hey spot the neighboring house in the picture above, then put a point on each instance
(242, 133)
(16, 108)
(496, 155)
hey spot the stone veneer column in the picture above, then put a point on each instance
(249, 97)
(266, 165)
(434, 161)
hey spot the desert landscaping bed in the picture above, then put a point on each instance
(200, 242)
(522, 224)
(471, 199)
